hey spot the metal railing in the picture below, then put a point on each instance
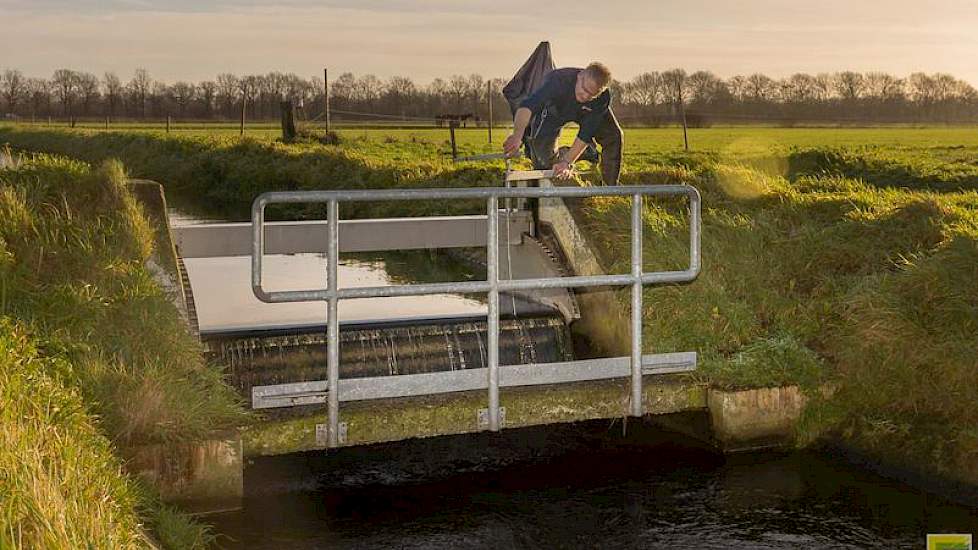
(332, 294)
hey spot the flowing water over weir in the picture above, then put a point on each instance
(298, 355)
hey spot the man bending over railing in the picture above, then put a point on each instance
(570, 95)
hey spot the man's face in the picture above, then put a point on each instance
(586, 89)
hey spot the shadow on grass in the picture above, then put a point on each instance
(884, 169)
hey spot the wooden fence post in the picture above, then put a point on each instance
(489, 101)
(682, 111)
(326, 97)
(288, 122)
(452, 124)
(244, 101)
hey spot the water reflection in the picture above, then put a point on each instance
(224, 299)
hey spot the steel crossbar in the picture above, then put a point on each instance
(332, 294)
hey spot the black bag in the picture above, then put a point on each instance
(526, 80)
(529, 77)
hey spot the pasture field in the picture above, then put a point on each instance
(717, 138)
(841, 259)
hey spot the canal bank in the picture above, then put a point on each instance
(98, 364)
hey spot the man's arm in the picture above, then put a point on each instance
(562, 166)
(520, 121)
(532, 104)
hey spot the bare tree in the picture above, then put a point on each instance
(88, 89)
(248, 86)
(39, 93)
(882, 86)
(849, 85)
(14, 86)
(705, 87)
(674, 83)
(227, 91)
(264, 93)
(438, 87)
(295, 88)
(944, 86)
(759, 87)
(965, 92)
(183, 94)
(477, 91)
(869, 96)
(207, 94)
(157, 98)
(139, 88)
(458, 87)
(802, 88)
(112, 89)
(921, 88)
(65, 82)
(646, 89)
(342, 90)
(368, 89)
(738, 87)
(398, 92)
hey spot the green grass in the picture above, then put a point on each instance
(826, 282)
(839, 258)
(60, 484)
(93, 325)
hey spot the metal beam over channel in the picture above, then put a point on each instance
(235, 239)
(510, 376)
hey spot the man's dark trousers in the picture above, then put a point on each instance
(609, 137)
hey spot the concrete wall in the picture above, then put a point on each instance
(603, 321)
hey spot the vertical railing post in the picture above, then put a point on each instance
(636, 400)
(694, 231)
(333, 323)
(258, 242)
(492, 276)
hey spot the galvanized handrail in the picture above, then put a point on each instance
(332, 294)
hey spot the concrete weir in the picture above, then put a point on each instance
(549, 243)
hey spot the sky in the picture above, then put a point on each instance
(195, 40)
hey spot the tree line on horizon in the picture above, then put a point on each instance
(651, 98)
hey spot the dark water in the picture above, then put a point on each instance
(581, 486)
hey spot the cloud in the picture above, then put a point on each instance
(178, 40)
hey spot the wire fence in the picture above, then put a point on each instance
(342, 118)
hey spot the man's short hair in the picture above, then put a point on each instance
(598, 73)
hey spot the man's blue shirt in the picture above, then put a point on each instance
(558, 97)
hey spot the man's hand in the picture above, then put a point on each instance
(562, 169)
(512, 145)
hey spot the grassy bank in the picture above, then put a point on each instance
(827, 281)
(832, 258)
(222, 175)
(98, 362)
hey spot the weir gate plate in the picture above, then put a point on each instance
(412, 385)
